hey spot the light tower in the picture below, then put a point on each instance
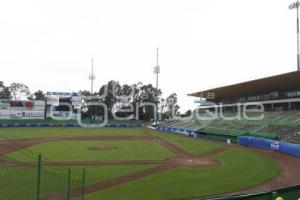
(156, 71)
(92, 77)
(295, 5)
(157, 68)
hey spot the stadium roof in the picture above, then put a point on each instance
(283, 82)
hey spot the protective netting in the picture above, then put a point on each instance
(16, 182)
(27, 180)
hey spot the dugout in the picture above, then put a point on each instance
(221, 134)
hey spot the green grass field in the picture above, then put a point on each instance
(22, 133)
(78, 150)
(21, 183)
(239, 168)
(195, 147)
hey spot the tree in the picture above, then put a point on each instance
(85, 93)
(4, 91)
(171, 106)
(188, 113)
(118, 97)
(124, 107)
(109, 93)
(19, 91)
(30, 97)
(146, 94)
(39, 95)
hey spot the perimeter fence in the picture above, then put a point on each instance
(28, 176)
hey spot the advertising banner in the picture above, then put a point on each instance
(33, 115)
(39, 106)
(4, 114)
(53, 100)
(76, 101)
(280, 146)
(4, 104)
(16, 114)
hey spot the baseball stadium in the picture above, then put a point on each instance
(242, 142)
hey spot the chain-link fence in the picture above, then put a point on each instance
(38, 180)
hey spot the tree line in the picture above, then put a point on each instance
(136, 100)
(18, 91)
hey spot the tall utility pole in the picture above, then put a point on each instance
(156, 71)
(92, 77)
(295, 5)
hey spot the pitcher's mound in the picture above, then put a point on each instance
(103, 148)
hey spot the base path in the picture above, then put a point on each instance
(164, 165)
(7, 146)
(288, 174)
(182, 159)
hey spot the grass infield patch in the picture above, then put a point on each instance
(189, 144)
(241, 169)
(80, 151)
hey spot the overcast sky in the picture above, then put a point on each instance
(203, 43)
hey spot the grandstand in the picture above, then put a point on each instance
(276, 99)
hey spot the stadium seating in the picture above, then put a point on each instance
(283, 125)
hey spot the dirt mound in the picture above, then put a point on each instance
(103, 148)
(191, 162)
(287, 176)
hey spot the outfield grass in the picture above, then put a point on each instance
(20, 183)
(191, 145)
(21, 133)
(78, 150)
(72, 121)
(36, 121)
(241, 169)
